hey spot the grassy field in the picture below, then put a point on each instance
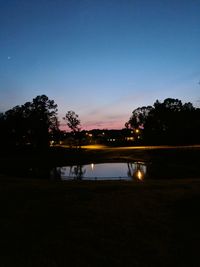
(55, 223)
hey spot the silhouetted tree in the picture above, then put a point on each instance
(138, 119)
(15, 126)
(43, 119)
(55, 132)
(73, 123)
(170, 122)
(3, 130)
(30, 123)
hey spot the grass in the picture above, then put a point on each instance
(47, 223)
(55, 223)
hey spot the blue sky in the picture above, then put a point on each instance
(102, 58)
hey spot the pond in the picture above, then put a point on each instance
(101, 171)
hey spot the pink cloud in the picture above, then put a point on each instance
(104, 125)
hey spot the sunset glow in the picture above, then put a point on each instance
(101, 59)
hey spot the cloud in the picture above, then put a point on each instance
(108, 124)
(114, 114)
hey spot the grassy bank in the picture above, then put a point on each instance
(45, 223)
(55, 223)
(161, 163)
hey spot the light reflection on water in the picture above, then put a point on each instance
(102, 171)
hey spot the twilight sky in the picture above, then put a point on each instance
(100, 58)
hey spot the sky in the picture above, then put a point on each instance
(99, 58)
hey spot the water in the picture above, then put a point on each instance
(131, 171)
(102, 171)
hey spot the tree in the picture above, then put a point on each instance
(3, 130)
(43, 119)
(15, 126)
(168, 122)
(30, 123)
(72, 121)
(139, 117)
(137, 121)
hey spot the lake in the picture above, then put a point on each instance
(101, 171)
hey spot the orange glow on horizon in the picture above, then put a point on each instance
(106, 126)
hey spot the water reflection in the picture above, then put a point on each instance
(137, 170)
(105, 171)
(77, 172)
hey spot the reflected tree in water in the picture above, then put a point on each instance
(136, 170)
(130, 169)
(77, 172)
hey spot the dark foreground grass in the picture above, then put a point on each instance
(54, 223)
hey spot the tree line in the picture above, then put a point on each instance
(33, 123)
(167, 122)
(29, 123)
